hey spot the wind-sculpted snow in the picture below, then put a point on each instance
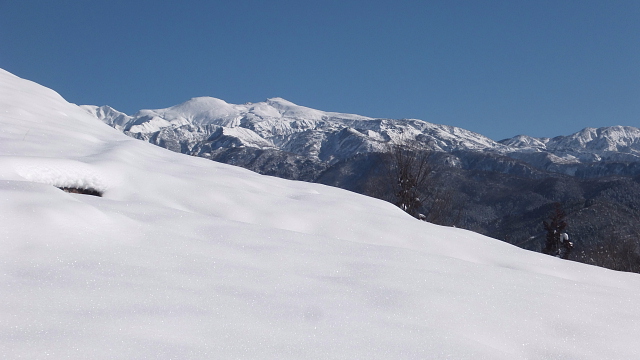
(191, 259)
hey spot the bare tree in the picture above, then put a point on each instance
(409, 171)
(406, 179)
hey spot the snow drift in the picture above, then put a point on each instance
(186, 258)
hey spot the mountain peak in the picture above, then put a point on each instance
(288, 109)
(201, 104)
(524, 141)
(279, 101)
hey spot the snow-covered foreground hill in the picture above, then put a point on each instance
(185, 258)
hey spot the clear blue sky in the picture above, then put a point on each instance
(500, 68)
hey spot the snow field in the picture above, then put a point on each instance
(187, 258)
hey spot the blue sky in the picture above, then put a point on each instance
(500, 68)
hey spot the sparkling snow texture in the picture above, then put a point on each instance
(185, 258)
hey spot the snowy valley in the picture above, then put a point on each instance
(182, 257)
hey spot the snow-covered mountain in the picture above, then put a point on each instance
(608, 139)
(202, 125)
(187, 258)
(615, 143)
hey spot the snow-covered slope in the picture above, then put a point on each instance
(188, 258)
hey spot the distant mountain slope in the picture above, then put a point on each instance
(614, 139)
(619, 144)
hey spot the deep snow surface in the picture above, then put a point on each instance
(184, 258)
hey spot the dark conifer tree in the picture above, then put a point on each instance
(555, 226)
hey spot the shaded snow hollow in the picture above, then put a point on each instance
(191, 259)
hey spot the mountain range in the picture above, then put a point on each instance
(503, 189)
(202, 125)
